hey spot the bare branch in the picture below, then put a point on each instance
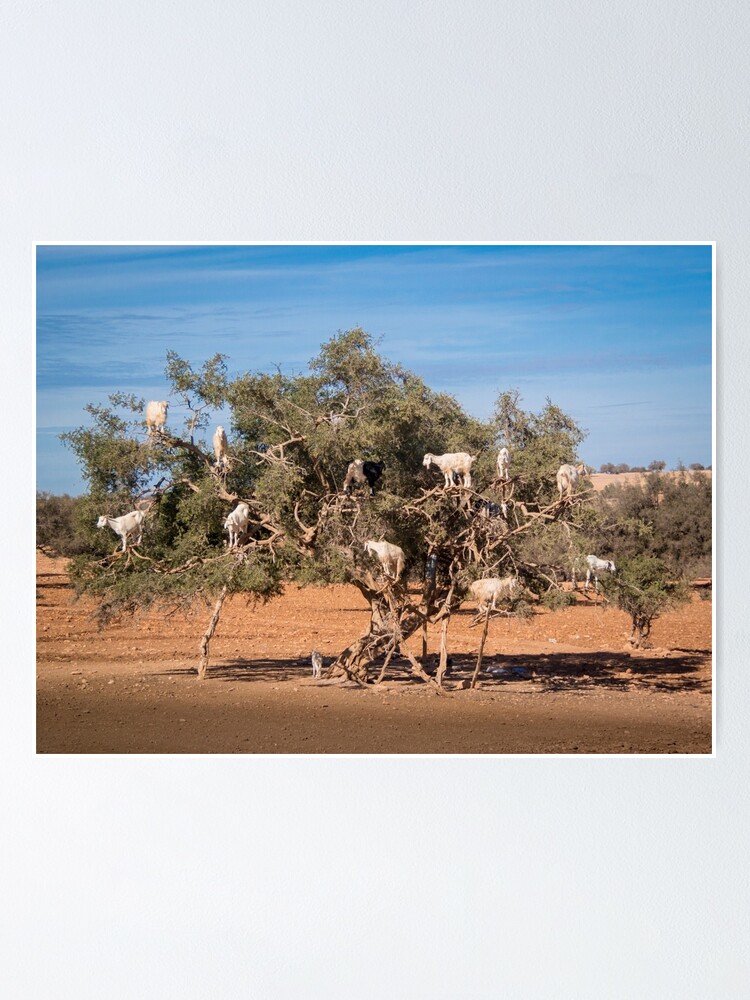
(275, 452)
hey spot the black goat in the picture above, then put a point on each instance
(363, 472)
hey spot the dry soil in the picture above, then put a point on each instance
(571, 682)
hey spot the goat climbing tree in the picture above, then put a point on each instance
(292, 437)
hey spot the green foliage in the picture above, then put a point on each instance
(682, 525)
(125, 589)
(555, 599)
(643, 589)
(57, 526)
(198, 389)
(390, 415)
(349, 365)
(198, 518)
(550, 546)
(539, 444)
(113, 461)
(665, 516)
(207, 385)
(520, 608)
(288, 459)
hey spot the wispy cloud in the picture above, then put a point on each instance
(576, 323)
(629, 402)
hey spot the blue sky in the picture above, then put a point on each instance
(618, 336)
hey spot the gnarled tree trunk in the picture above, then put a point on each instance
(380, 634)
(391, 624)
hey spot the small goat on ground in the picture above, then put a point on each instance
(503, 463)
(156, 415)
(567, 478)
(391, 557)
(128, 524)
(458, 462)
(492, 589)
(317, 664)
(221, 447)
(236, 523)
(362, 472)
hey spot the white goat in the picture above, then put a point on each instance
(595, 567)
(156, 415)
(492, 589)
(391, 557)
(503, 463)
(128, 524)
(567, 478)
(455, 461)
(236, 523)
(221, 446)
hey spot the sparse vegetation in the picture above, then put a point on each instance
(57, 529)
(665, 516)
(555, 599)
(642, 588)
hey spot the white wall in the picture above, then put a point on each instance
(362, 878)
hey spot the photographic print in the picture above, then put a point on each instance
(374, 498)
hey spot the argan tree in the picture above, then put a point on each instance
(642, 588)
(292, 437)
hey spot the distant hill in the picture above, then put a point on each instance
(601, 479)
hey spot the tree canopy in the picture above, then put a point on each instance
(292, 437)
(642, 588)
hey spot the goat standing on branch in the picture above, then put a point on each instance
(567, 478)
(156, 415)
(236, 523)
(503, 463)
(124, 526)
(458, 462)
(363, 472)
(221, 447)
(391, 558)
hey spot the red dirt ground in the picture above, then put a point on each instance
(132, 688)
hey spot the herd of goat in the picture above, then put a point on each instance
(456, 469)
